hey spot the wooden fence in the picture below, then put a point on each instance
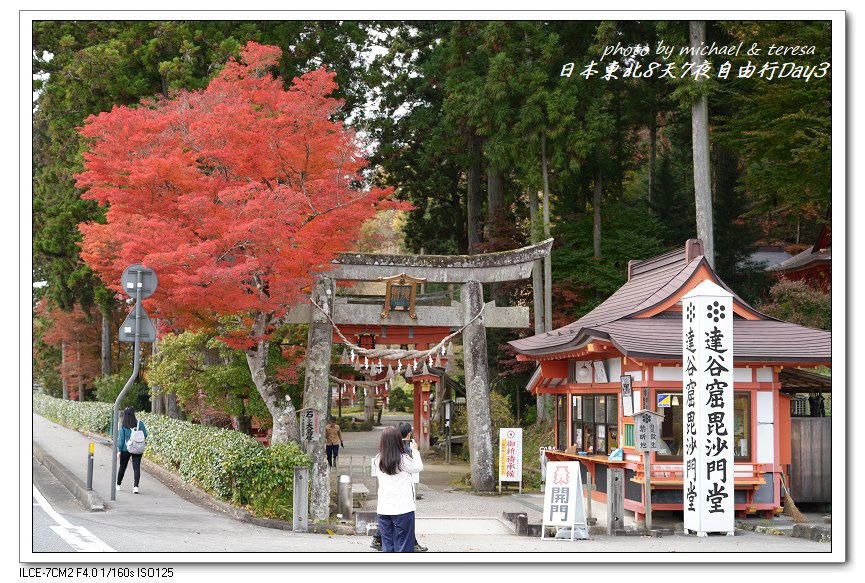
(811, 459)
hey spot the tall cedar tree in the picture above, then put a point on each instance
(234, 195)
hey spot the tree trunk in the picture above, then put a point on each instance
(157, 404)
(473, 198)
(78, 374)
(537, 267)
(242, 423)
(172, 407)
(542, 283)
(700, 138)
(316, 383)
(548, 265)
(653, 152)
(369, 405)
(495, 201)
(281, 409)
(596, 207)
(106, 340)
(437, 413)
(495, 214)
(155, 391)
(63, 379)
(459, 218)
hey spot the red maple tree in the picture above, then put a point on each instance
(234, 195)
(78, 338)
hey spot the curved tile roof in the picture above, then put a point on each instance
(654, 281)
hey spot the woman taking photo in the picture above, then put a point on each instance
(395, 492)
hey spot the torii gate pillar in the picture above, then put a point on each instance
(316, 381)
(477, 388)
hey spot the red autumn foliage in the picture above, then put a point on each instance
(233, 194)
(79, 338)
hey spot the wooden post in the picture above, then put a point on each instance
(647, 479)
(589, 488)
(615, 500)
(300, 518)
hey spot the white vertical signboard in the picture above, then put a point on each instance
(309, 424)
(707, 428)
(563, 499)
(511, 456)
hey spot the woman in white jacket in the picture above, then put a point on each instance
(396, 505)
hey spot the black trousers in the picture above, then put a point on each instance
(332, 454)
(136, 466)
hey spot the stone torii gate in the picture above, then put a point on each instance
(469, 272)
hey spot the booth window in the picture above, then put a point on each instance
(628, 435)
(742, 426)
(561, 422)
(595, 423)
(671, 427)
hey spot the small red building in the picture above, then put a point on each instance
(813, 265)
(637, 332)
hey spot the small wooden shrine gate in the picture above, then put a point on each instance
(469, 272)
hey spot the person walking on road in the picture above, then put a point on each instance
(333, 441)
(396, 505)
(406, 435)
(127, 424)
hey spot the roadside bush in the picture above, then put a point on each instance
(349, 424)
(223, 462)
(107, 389)
(799, 303)
(399, 399)
(87, 416)
(500, 414)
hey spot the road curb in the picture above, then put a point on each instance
(177, 484)
(91, 501)
(193, 494)
(814, 532)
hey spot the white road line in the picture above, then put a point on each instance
(78, 537)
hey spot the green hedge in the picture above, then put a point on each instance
(223, 462)
(88, 416)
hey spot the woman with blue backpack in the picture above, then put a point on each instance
(130, 444)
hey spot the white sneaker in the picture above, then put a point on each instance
(118, 487)
(135, 489)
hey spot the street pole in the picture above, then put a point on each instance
(136, 360)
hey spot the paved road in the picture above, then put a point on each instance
(165, 523)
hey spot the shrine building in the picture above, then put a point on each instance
(637, 333)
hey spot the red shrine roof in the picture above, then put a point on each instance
(816, 257)
(642, 319)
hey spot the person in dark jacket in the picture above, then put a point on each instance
(127, 423)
